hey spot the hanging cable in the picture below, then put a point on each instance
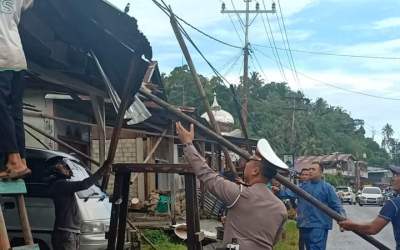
(273, 44)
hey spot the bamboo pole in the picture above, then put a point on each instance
(199, 86)
(125, 102)
(300, 192)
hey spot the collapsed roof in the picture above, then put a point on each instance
(59, 35)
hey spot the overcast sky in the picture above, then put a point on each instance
(359, 27)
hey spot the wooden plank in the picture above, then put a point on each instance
(31, 247)
(12, 187)
(153, 168)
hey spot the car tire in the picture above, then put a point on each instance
(360, 204)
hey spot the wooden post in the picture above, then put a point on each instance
(192, 214)
(125, 103)
(171, 178)
(115, 210)
(23, 217)
(4, 241)
(123, 211)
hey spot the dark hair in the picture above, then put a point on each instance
(321, 168)
(268, 170)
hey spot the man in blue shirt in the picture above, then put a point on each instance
(313, 224)
(389, 212)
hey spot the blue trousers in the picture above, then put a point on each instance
(314, 238)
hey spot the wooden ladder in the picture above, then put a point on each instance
(16, 188)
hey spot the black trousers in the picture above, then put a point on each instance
(12, 134)
(63, 240)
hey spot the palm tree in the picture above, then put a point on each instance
(387, 132)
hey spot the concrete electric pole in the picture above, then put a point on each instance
(246, 25)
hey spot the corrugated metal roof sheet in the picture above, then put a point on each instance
(58, 35)
(305, 161)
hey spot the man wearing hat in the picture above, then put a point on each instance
(255, 215)
(389, 212)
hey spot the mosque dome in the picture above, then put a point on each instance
(223, 117)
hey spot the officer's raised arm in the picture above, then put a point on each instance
(224, 189)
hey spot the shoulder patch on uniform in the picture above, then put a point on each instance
(237, 198)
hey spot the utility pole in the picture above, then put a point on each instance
(294, 108)
(246, 51)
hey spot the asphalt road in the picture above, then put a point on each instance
(351, 241)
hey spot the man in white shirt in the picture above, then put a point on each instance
(12, 68)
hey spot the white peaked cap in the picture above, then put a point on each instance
(266, 152)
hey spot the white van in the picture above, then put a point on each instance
(93, 204)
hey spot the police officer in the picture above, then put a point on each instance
(255, 215)
(389, 213)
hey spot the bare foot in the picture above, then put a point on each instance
(14, 162)
(16, 167)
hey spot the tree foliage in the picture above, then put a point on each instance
(318, 127)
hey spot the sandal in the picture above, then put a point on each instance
(13, 174)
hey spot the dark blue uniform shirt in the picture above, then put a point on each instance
(391, 212)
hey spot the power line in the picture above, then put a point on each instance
(332, 85)
(230, 61)
(238, 16)
(288, 43)
(274, 46)
(259, 65)
(207, 35)
(234, 26)
(284, 39)
(333, 54)
(349, 90)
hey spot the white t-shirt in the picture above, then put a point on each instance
(12, 55)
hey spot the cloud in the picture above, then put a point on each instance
(392, 22)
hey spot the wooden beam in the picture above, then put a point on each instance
(152, 168)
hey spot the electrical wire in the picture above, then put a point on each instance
(234, 26)
(274, 45)
(207, 35)
(289, 52)
(259, 65)
(285, 45)
(239, 18)
(333, 85)
(332, 54)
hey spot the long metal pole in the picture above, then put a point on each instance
(199, 86)
(300, 192)
(62, 143)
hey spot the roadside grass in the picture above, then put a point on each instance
(162, 241)
(290, 237)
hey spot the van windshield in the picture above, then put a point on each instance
(342, 189)
(79, 173)
(371, 191)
